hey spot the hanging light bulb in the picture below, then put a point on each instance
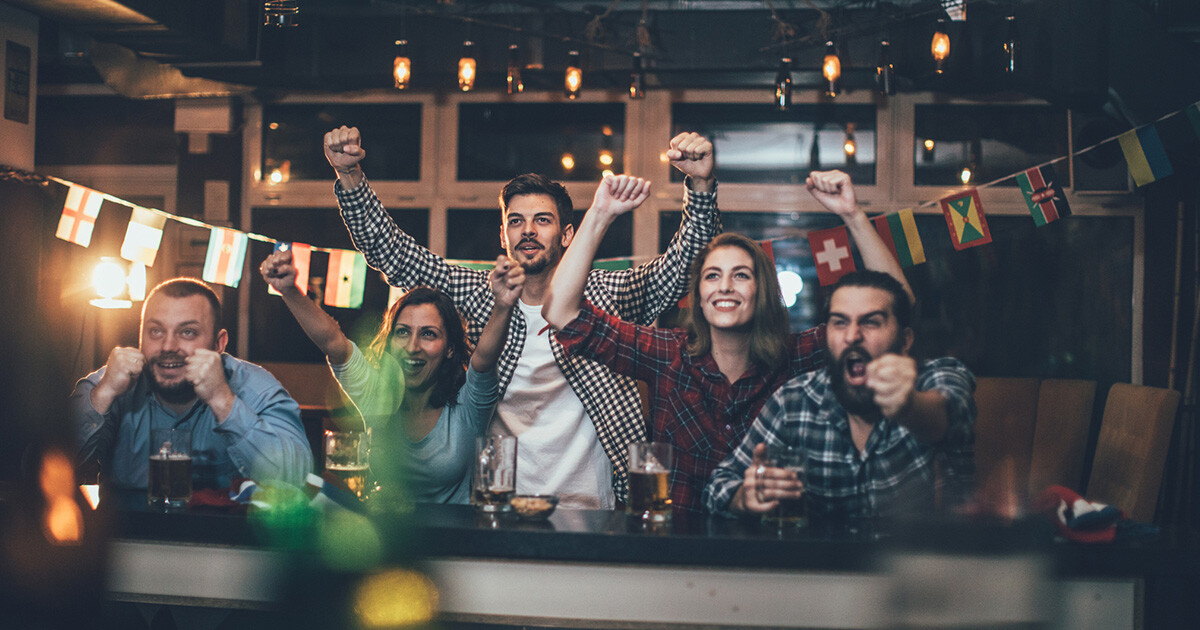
(831, 68)
(515, 84)
(466, 67)
(637, 78)
(885, 72)
(850, 145)
(1010, 45)
(573, 78)
(783, 85)
(940, 46)
(965, 175)
(401, 65)
(927, 150)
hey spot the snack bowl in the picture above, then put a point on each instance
(534, 507)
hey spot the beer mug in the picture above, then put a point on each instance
(170, 481)
(495, 473)
(347, 456)
(790, 513)
(650, 466)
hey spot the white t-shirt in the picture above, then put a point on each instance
(557, 448)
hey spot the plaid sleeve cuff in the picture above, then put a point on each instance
(699, 202)
(578, 330)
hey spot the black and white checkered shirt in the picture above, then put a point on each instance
(637, 295)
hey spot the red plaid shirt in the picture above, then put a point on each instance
(692, 405)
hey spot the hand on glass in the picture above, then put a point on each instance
(764, 486)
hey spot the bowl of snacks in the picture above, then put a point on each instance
(534, 507)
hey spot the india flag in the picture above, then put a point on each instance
(899, 233)
(226, 255)
(345, 279)
(143, 236)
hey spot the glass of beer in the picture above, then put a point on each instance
(649, 481)
(347, 456)
(495, 473)
(170, 482)
(790, 513)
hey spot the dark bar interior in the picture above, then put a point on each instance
(1028, 171)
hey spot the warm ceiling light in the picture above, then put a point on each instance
(515, 84)
(783, 85)
(637, 78)
(111, 285)
(965, 175)
(606, 157)
(940, 46)
(885, 72)
(831, 68)
(401, 65)
(928, 144)
(568, 162)
(573, 78)
(466, 67)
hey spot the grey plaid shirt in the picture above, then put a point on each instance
(637, 295)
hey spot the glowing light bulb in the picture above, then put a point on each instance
(515, 83)
(966, 175)
(606, 157)
(568, 162)
(783, 84)
(940, 47)
(401, 66)
(573, 78)
(466, 67)
(108, 279)
(831, 69)
(928, 144)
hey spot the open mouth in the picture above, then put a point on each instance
(855, 360)
(528, 247)
(412, 366)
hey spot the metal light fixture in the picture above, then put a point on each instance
(783, 85)
(1010, 45)
(281, 13)
(401, 66)
(573, 77)
(885, 72)
(831, 69)
(637, 78)
(515, 84)
(467, 67)
(940, 46)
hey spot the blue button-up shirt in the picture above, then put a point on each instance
(262, 438)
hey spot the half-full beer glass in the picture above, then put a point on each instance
(790, 513)
(347, 456)
(170, 484)
(495, 473)
(649, 481)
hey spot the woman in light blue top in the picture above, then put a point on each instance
(410, 384)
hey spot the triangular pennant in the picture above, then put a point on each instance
(831, 253)
(143, 236)
(226, 256)
(79, 215)
(965, 218)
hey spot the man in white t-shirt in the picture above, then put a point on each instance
(574, 418)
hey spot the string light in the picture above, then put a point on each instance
(783, 85)
(1010, 45)
(965, 175)
(637, 78)
(515, 84)
(573, 78)
(940, 46)
(467, 67)
(831, 68)
(850, 145)
(401, 66)
(885, 72)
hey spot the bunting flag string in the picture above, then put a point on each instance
(1149, 150)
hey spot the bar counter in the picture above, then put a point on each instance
(585, 568)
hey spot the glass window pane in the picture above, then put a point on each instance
(758, 144)
(391, 135)
(563, 141)
(992, 141)
(995, 307)
(105, 130)
(477, 235)
(274, 333)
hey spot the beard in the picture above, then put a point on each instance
(858, 400)
(543, 260)
(172, 393)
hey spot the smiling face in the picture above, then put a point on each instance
(172, 329)
(532, 234)
(419, 344)
(862, 326)
(728, 288)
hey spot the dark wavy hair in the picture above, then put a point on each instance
(535, 184)
(452, 373)
(768, 329)
(901, 305)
